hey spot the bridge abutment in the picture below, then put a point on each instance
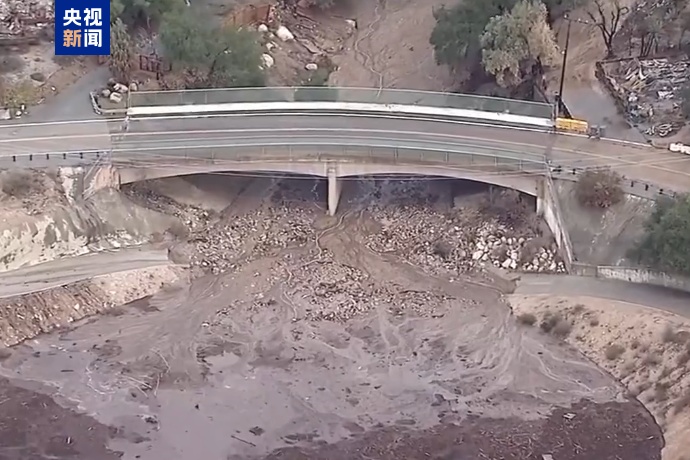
(335, 188)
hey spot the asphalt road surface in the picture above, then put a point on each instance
(194, 136)
(69, 270)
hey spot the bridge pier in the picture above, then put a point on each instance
(335, 188)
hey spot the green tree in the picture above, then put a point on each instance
(515, 40)
(121, 52)
(144, 12)
(666, 245)
(458, 30)
(212, 56)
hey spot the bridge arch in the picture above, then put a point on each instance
(524, 182)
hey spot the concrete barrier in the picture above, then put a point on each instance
(206, 109)
(644, 276)
(549, 208)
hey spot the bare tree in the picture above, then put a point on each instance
(608, 19)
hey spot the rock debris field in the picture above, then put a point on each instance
(378, 333)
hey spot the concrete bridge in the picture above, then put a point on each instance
(344, 143)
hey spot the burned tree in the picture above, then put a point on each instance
(608, 19)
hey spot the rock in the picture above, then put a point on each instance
(270, 46)
(133, 86)
(506, 263)
(115, 97)
(477, 254)
(106, 92)
(120, 88)
(263, 28)
(284, 34)
(267, 60)
(311, 67)
(38, 76)
(352, 23)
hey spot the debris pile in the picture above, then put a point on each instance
(337, 292)
(650, 92)
(263, 232)
(298, 46)
(441, 243)
(24, 19)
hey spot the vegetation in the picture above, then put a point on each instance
(599, 188)
(528, 319)
(666, 245)
(514, 42)
(556, 324)
(121, 51)
(147, 13)
(210, 56)
(607, 16)
(456, 37)
(613, 352)
(204, 55)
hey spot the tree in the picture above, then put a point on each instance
(211, 56)
(458, 30)
(121, 52)
(608, 19)
(666, 245)
(515, 41)
(144, 12)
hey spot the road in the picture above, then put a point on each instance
(185, 135)
(61, 272)
(640, 294)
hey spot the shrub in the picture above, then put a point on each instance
(178, 230)
(614, 352)
(527, 319)
(599, 188)
(556, 325)
(651, 359)
(562, 328)
(21, 183)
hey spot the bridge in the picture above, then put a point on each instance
(338, 132)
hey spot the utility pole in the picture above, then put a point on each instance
(559, 98)
(565, 60)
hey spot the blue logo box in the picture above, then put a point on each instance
(82, 28)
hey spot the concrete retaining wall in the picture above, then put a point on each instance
(550, 209)
(644, 276)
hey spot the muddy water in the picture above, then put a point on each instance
(230, 367)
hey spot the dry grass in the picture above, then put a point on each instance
(22, 93)
(20, 183)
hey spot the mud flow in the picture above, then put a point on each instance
(368, 335)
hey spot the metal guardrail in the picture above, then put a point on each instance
(528, 163)
(344, 95)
